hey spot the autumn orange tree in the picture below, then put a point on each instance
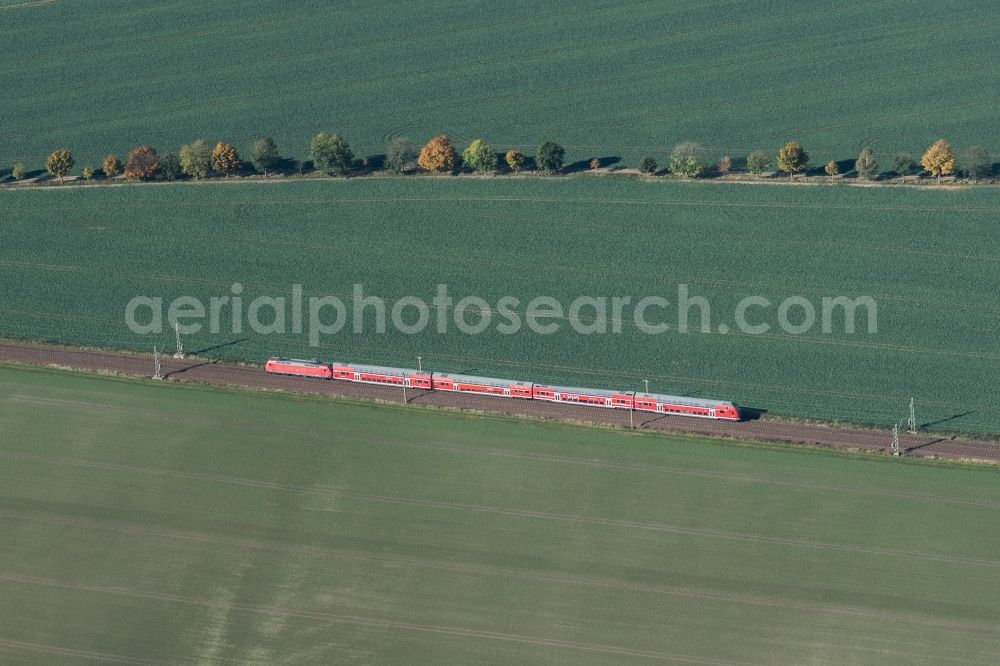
(59, 163)
(437, 155)
(143, 163)
(111, 166)
(939, 159)
(225, 159)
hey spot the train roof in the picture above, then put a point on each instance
(682, 400)
(582, 391)
(473, 379)
(381, 369)
(311, 362)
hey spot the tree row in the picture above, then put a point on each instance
(332, 155)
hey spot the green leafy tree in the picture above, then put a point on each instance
(758, 162)
(401, 155)
(330, 154)
(87, 172)
(866, 165)
(111, 166)
(225, 159)
(648, 164)
(170, 166)
(688, 160)
(143, 163)
(976, 162)
(19, 171)
(831, 168)
(792, 158)
(264, 155)
(59, 163)
(514, 159)
(480, 157)
(550, 156)
(905, 165)
(196, 159)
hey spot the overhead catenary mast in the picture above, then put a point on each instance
(177, 338)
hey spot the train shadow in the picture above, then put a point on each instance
(751, 413)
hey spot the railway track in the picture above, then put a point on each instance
(210, 372)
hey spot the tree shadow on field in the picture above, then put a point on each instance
(291, 165)
(843, 166)
(584, 165)
(287, 165)
(375, 163)
(4, 173)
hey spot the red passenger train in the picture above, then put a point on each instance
(440, 381)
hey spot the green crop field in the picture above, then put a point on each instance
(155, 524)
(73, 258)
(607, 79)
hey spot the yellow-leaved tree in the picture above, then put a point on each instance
(514, 159)
(59, 163)
(939, 159)
(437, 155)
(111, 166)
(793, 158)
(225, 159)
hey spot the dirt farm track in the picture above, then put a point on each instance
(209, 372)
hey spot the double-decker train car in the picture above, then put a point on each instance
(682, 406)
(488, 385)
(583, 396)
(376, 374)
